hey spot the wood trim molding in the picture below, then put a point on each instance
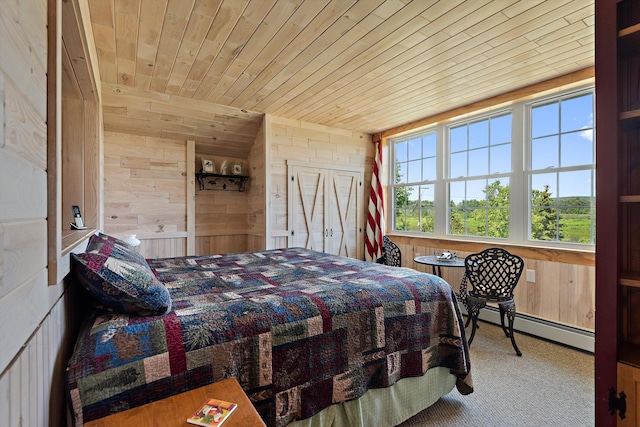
(563, 82)
(564, 256)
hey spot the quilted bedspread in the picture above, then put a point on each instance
(299, 329)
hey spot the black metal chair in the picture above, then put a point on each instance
(391, 254)
(491, 276)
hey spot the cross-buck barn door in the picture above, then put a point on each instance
(344, 205)
(307, 189)
(324, 209)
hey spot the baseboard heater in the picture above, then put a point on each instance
(563, 334)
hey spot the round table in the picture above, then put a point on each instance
(437, 263)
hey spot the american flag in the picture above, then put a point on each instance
(375, 217)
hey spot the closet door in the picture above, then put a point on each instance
(324, 210)
(307, 207)
(344, 207)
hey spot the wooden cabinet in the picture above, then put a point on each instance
(324, 209)
(618, 203)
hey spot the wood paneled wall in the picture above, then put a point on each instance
(257, 192)
(144, 184)
(33, 330)
(221, 215)
(564, 290)
(292, 140)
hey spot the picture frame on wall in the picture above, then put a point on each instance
(208, 166)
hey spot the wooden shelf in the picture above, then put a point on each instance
(630, 115)
(630, 198)
(72, 238)
(629, 41)
(629, 31)
(216, 181)
(629, 354)
(628, 278)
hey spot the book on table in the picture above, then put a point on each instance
(213, 412)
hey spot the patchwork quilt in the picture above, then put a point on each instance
(299, 329)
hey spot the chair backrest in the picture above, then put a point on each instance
(392, 254)
(493, 273)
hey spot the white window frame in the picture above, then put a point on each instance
(519, 233)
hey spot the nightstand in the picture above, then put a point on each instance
(173, 411)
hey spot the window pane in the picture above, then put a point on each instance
(577, 113)
(457, 194)
(456, 222)
(401, 151)
(476, 222)
(576, 148)
(476, 192)
(575, 224)
(501, 129)
(458, 165)
(429, 169)
(500, 159)
(498, 223)
(429, 145)
(427, 212)
(414, 171)
(543, 189)
(458, 139)
(400, 221)
(544, 120)
(543, 224)
(415, 149)
(479, 134)
(401, 196)
(401, 173)
(544, 153)
(497, 193)
(427, 221)
(574, 184)
(479, 162)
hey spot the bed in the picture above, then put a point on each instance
(312, 338)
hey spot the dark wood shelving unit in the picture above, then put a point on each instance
(618, 227)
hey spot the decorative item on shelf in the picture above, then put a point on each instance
(236, 168)
(208, 166)
(223, 167)
(131, 239)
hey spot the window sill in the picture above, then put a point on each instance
(532, 252)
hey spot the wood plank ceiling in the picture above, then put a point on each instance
(209, 69)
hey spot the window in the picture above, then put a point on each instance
(562, 170)
(479, 171)
(524, 174)
(415, 172)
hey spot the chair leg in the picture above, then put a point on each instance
(504, 328)
(473, 311)
(510, 310)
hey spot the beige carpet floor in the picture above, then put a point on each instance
(550, 385)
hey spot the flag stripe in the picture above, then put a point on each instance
(375, 216)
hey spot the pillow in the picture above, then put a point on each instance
(112, 239)
(112, 246)
(121, 285)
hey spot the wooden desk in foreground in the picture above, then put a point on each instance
(174, 411)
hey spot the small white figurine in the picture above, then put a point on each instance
(223, 167)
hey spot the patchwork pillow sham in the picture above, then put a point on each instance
(102, 236)
(112, 246)
(120, 283)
